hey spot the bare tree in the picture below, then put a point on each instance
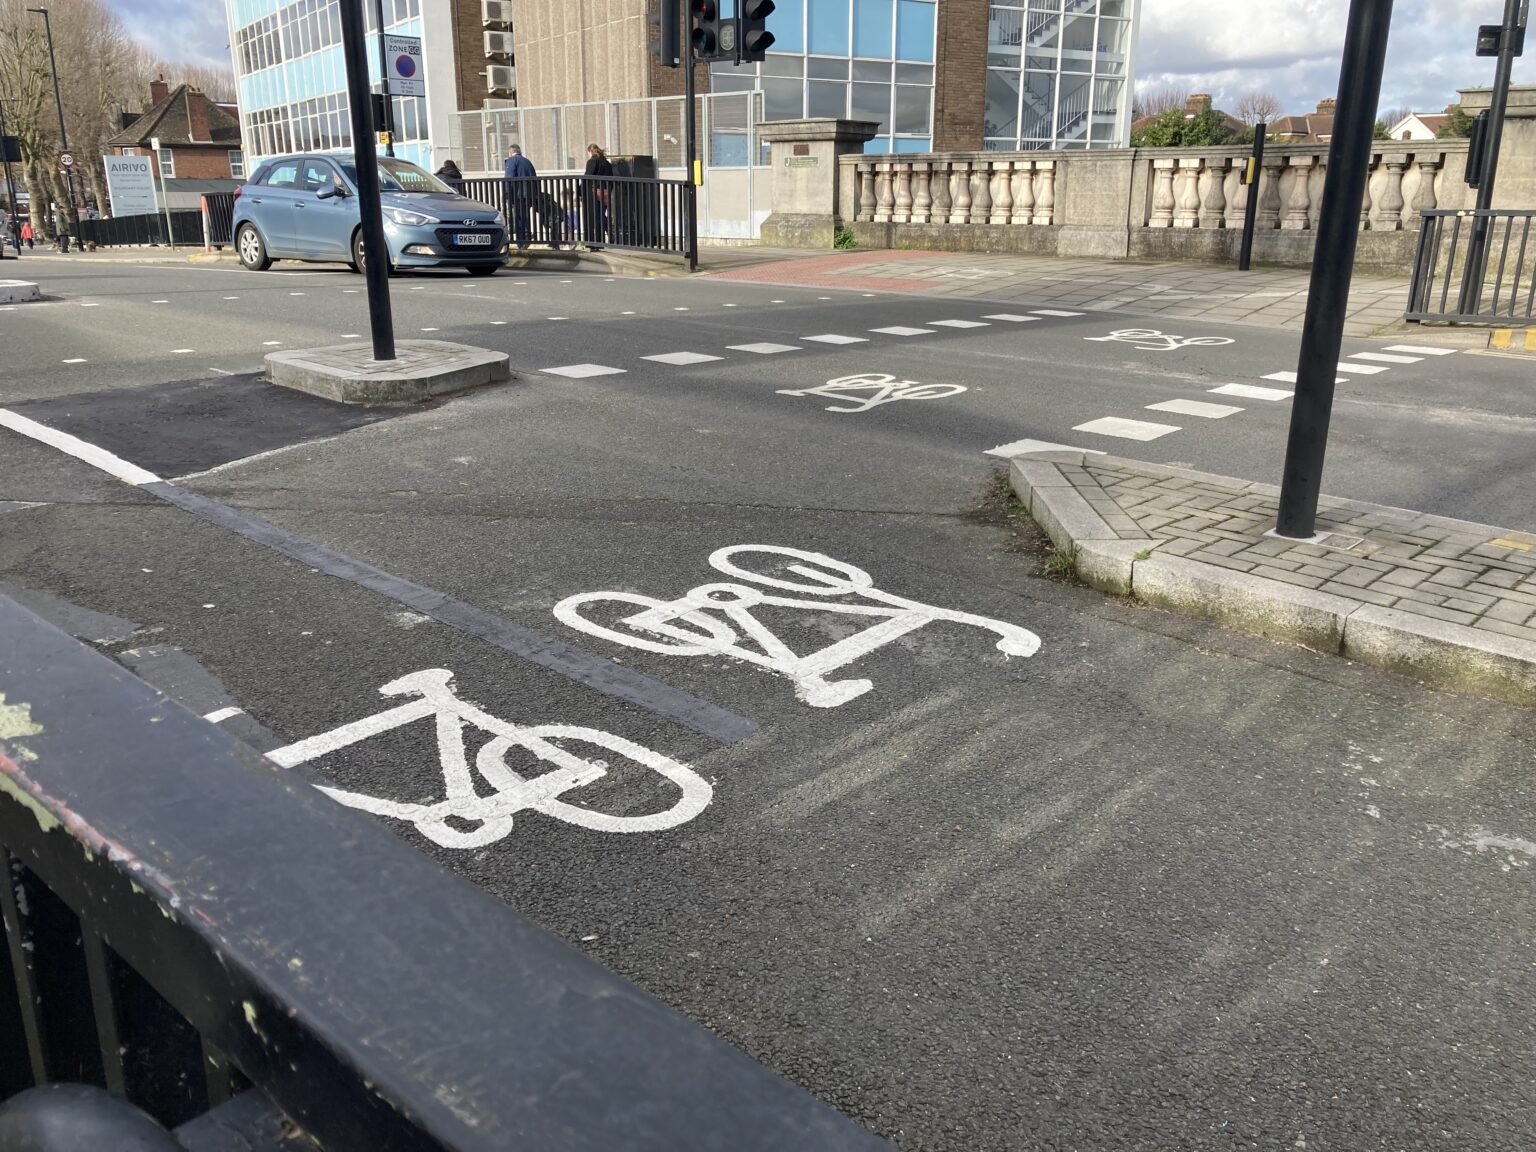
(1392, 117)
(1163, 98)
(1256, 106)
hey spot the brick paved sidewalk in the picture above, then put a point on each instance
(1270, 296)
(1449, 601)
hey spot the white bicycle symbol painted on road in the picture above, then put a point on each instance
(511, 792)
(1151, 340)
(882, 389)
(692, 625)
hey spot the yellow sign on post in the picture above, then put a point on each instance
(385, 138)
(698, 173)
(1251, 172)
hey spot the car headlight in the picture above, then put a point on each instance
(501, 221)
(408, 218)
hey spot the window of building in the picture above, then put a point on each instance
(167, 164)
(828, 24)
(236, 165)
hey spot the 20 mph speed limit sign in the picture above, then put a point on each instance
(66, 160)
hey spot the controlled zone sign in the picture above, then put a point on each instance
(131, 185)
(403, 54)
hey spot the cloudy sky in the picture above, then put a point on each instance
(1226, 47)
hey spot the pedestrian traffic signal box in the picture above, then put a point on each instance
(666, 34)
(705, 36)
(755, 39)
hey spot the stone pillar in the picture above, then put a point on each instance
(903, 172)
(1424, 199)
(1023, 192)
(1045, 192)
(1162, 193)
(1238, 211)
(1298, 208)
(1213, 206)
(981, 191)
(960, 191)
(941, 199)
(866, 191)
(885, 198)
(1365, 200)
(1269, 194)
(922, 198)
(1187, 197)
(805, 208)
(1389, 205)
(1002, 196)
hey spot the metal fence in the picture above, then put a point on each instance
(210, 937)
(126, 231)
(644, 215)
(218, 219)
(1456, 278)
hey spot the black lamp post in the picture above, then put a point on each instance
(58, 102)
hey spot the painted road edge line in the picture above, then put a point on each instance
(86, 453)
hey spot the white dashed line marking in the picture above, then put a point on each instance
(498, 321)
(351, 336)
(231, 297)
(557, 317)
(959, 323)
(181, 351)
(1195, 408)
(899, 330)
(1290, 377)
(1362, 369)
(222, 714)
(270, 343)
(680, 308)
(78, 448)
(1053, 312)
(1019, 447)
(431, 329)
(582, 371)
(682, 358)
(833, 338)
(764, 348)
(1010, 317)
(1252, 392)
(1126, 429)
(296, 293)
(80, 360)
(1386, 358)
(775, 301)
(1422, 350)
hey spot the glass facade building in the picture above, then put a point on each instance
(292, 80)
(856, 59)
(1058, 74)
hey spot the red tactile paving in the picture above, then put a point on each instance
(833, 271)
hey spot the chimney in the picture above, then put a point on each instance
(1325, 107)
(158, 91)
(1198, 102)
(197, 116)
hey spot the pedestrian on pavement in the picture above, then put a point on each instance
(450, 171)
(599, 189)
(5, 230)
(26, 234)
(521, 180)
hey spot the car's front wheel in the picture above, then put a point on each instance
(252, 249)
(360, 255)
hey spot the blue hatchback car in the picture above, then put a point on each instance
(305, 208)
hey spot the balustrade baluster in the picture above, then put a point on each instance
(1023, 192)
(960, 192)
(1187, 194)
(1298, 208)
(885, 198)
(903, 212)
(922, 198)
(1162, 193)
(1045, 191)
(866, 190)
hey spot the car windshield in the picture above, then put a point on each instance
(401, 176)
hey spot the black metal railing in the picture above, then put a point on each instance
(219, 213)
(186, 227)
(207, 936)
(593, 211)
(1460, 276)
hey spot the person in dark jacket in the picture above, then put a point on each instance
(522, 186)
(450, 171)
(598, 193)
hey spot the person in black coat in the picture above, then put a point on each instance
(597, 193)
(450, 171)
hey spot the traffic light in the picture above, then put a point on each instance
(755, 39)
(705, 35)
(665, 21)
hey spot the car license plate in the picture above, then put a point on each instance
(472, 239)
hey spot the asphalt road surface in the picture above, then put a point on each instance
(986, 860)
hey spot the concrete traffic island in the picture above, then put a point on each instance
(421, 370)
(18, 292)
(1450, 602)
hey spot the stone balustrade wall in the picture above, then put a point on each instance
(1149, 203)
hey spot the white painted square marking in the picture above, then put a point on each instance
(1195, 408)
(1422, 349)
(291, 294)
(180, 351)
(1053, 312)
(682, 358)
(1019, 447)
(1126, 429)
(727, 305)
(1290, 377)
(764, 348)
(270, 343)
(1362, 369)
(498, 321)
(557, 317)
(1386, 358)
(626, 313)
(582, 371)
(901, 330)
(415, 288)
(1252, 392)
(1011, 317)
(351, 335)
(431, 329)
(775, 301)
(959, 323)
(220, 715)
(231, 297)
(680, 308)
(833, 338)
(79, 360)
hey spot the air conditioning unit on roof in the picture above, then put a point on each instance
(501, 78)
(498, 44)
(495, 13)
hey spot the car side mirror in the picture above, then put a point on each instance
(329, 190)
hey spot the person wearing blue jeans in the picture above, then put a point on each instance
(522, 186)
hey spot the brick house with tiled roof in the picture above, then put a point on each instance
(1313, 128)
(1197, 104)
(199, 139)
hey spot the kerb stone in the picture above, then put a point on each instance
(1442, 653)
(18, 292)
(1251, 603)
(422, 369)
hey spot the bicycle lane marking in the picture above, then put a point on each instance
(594, 672)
